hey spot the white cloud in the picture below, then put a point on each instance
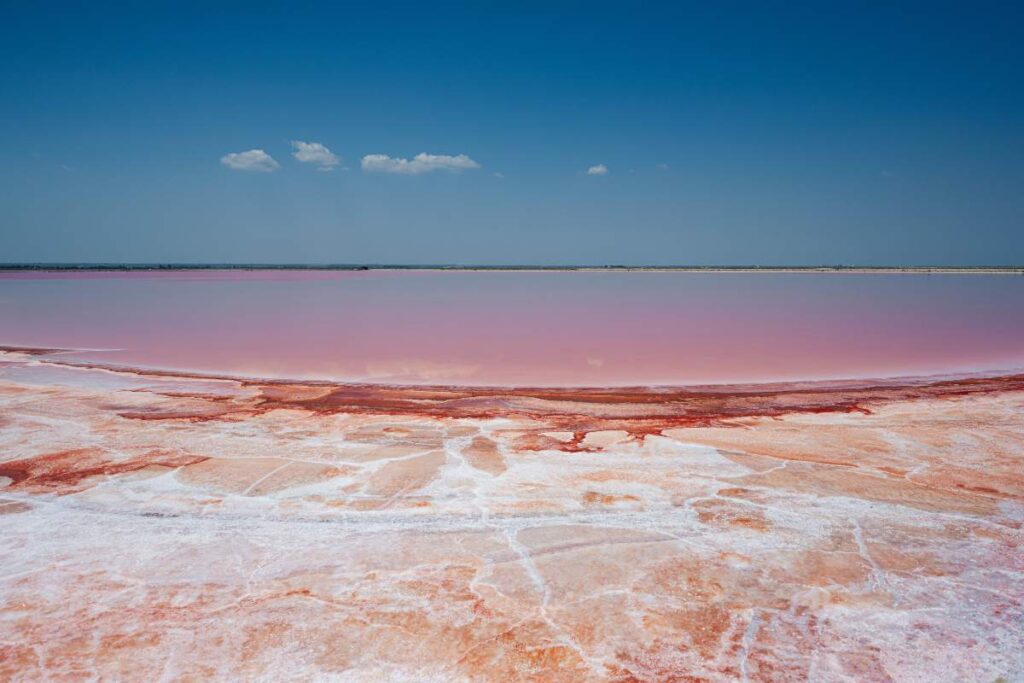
(600, 169)
(421, 163)
(315, 153)
(664, 167)
(253, 160)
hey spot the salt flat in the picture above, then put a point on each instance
(161, 526)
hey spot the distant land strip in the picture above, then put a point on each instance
(117, 267)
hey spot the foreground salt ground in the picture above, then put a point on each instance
(155, 527)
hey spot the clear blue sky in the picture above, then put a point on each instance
(760, 133)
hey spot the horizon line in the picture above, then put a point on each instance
(178, 266)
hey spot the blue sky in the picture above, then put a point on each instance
(732, 133)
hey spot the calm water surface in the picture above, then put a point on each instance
(554, 328)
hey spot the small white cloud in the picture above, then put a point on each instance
(600, 169)
(421, 163)
(663, 167)
(253, 160)
(499, 175)
(315, 153)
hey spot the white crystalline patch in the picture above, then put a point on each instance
(604, 438)
(564, 437)
(393, 675)
(704, 459)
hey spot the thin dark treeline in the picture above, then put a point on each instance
(424, 266)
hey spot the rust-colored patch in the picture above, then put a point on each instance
(255, 476)
(526, 651)
(405, 476)
(597, 499)
(65, 471)
(844, 482)
(726, 513)
(13, 507)
(483, 454)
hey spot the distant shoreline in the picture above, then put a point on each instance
(814, 384)
(126, 267)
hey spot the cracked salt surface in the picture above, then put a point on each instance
(204, 535)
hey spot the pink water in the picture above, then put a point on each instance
(524, 328)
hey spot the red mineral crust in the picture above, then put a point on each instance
(161, 525)
(68, 471)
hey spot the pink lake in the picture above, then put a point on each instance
(525, 328)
